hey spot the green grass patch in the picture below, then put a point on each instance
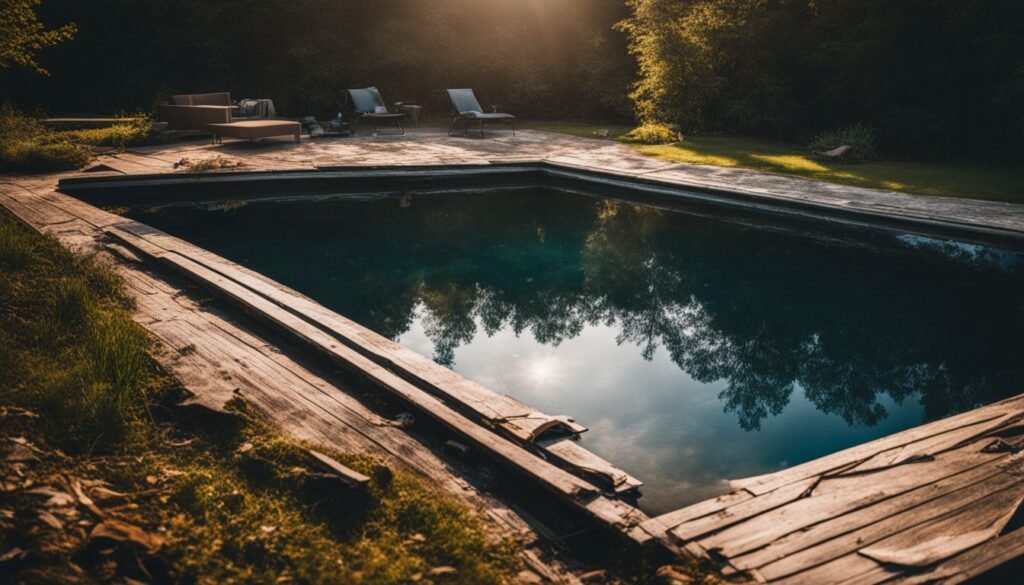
(134, 130)
(224, 503)
(973, 181)
(27, 145)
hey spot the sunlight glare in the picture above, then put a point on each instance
(543, 371)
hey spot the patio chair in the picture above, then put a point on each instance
(467, 109)
(367, 103)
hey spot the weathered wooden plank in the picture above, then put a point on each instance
(744, 510)
(929, 447)
(349, 475)
(913, 550)
(518, 421)
(701, 509)
(570, 453)
(30, 208)
(927, 544)
(992, 416)
(530, 465)
(845, 535)
(842, 571)
(806, 546)
(838, 495)
(974, 562)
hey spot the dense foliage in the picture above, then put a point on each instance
(937, 77)
(22, 35)
(537, 57)
(27, 145)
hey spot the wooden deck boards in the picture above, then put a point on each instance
(513, 419)
(891, 510)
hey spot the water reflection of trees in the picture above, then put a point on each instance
(760, 312)
(763, 312)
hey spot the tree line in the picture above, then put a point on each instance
(935, 78)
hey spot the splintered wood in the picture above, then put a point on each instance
(939, 503)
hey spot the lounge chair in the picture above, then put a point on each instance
(367, 103)
(467, 108)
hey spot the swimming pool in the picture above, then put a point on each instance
(696, 348)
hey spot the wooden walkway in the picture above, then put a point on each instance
(938, 503)
(218, 356)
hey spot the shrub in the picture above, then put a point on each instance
(860, 138)
(27, 145)
(133, 130)
(653, 133)
(40, 156)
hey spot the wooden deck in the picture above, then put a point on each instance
(938, 503)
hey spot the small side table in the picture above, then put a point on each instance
(411, 110)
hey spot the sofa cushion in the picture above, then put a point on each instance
(202, 99)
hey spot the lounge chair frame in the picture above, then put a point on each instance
(483, 122)
(467, 109)
(376, 122)
(363, 101)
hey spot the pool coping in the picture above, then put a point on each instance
(988, 228)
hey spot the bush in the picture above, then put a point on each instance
(653, 133)
(860, 138)
(132, 131)
(41, 156)
(27, 145)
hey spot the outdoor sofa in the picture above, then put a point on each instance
(367, 103)
(467, 109)
(194, 111)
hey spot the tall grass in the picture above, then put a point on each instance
(69, 350)
(28, 145)
(133, 130)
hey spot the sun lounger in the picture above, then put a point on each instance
(368, 103)
(467, 109)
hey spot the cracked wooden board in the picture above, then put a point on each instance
(511, 418)
(930, 499)
(579, 493)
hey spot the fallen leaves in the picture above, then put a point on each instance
(57, 498)
(122, 533)
(50, 520)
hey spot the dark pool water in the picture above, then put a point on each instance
(695, 349)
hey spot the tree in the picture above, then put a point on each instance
(22, 35)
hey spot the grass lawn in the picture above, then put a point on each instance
(104, 479)
(941, 179)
